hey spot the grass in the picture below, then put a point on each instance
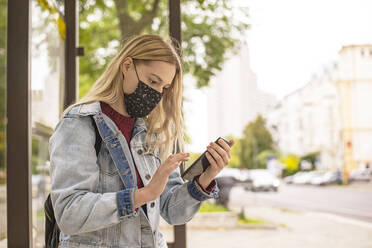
(3, 236)
(207, 207)
(283, 225)
(40, 213)
(286, 210)
(246, 220)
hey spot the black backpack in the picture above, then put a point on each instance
(51, 228)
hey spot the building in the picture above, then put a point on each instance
(354, 86)
(330, 113)
(234, 98)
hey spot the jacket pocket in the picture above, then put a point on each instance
(109, 176)
(106, 164)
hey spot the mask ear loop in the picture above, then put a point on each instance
(136, 71)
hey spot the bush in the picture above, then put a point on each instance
(207, 207)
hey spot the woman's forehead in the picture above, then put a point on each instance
(164, 71)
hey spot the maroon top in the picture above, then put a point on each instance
(126, 125)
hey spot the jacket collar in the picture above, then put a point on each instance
(94, 108)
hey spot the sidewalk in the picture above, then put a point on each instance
(294, 229)
(357, 186)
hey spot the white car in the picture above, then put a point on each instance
(305, 177)
(263, 180)
(328, 177)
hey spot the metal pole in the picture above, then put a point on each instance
(175, 32)
(18, 113)
(71, 60)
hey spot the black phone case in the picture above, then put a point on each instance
(199, 165)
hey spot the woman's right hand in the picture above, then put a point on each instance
(160, 178)
(157, 184)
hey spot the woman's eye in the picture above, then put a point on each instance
(152, 81)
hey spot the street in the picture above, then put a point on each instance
(349, 201)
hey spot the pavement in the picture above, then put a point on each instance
(297, 229)
(296, 225)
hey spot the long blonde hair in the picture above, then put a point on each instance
(165, 122)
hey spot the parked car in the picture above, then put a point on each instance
(229, 178)
(305, 177)
(329, 177)
(240, 177)
(263, 180)
(288, 179)
(225, 184)
(297, 176)
(360, 175)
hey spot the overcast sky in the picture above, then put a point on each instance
(289, 40)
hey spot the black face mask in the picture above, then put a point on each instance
(143, 100)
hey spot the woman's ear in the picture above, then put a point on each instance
(126, 65)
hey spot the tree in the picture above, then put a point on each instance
(210, 29)
(311, 157)
(235, 161)
(256, 139)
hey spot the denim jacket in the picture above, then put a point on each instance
(92, 196)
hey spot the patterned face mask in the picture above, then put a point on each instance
(143, 100)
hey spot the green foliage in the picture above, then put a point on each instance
(261, 158)
(236, 150)
(209, 29)
(207, 207)
(256, 139)
(311, 157)
(251, 221)
(39, 148)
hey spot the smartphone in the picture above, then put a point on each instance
(199, 165)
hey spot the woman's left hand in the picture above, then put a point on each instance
(218, 157)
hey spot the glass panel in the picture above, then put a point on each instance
(47, 78)
(3, 37)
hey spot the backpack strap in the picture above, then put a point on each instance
(98, 142)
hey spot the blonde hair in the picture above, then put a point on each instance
(165, 122)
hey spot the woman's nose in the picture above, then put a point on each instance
(160, 89)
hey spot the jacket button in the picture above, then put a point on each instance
(152, 204)
(139, 151)
(148, 177)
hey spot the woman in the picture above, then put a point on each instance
(115, 198)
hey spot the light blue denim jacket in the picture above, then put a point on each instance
(92, 196)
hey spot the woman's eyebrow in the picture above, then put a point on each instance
(157, 77)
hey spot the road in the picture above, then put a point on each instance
(348, 201)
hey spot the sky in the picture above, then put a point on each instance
(290, 40)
